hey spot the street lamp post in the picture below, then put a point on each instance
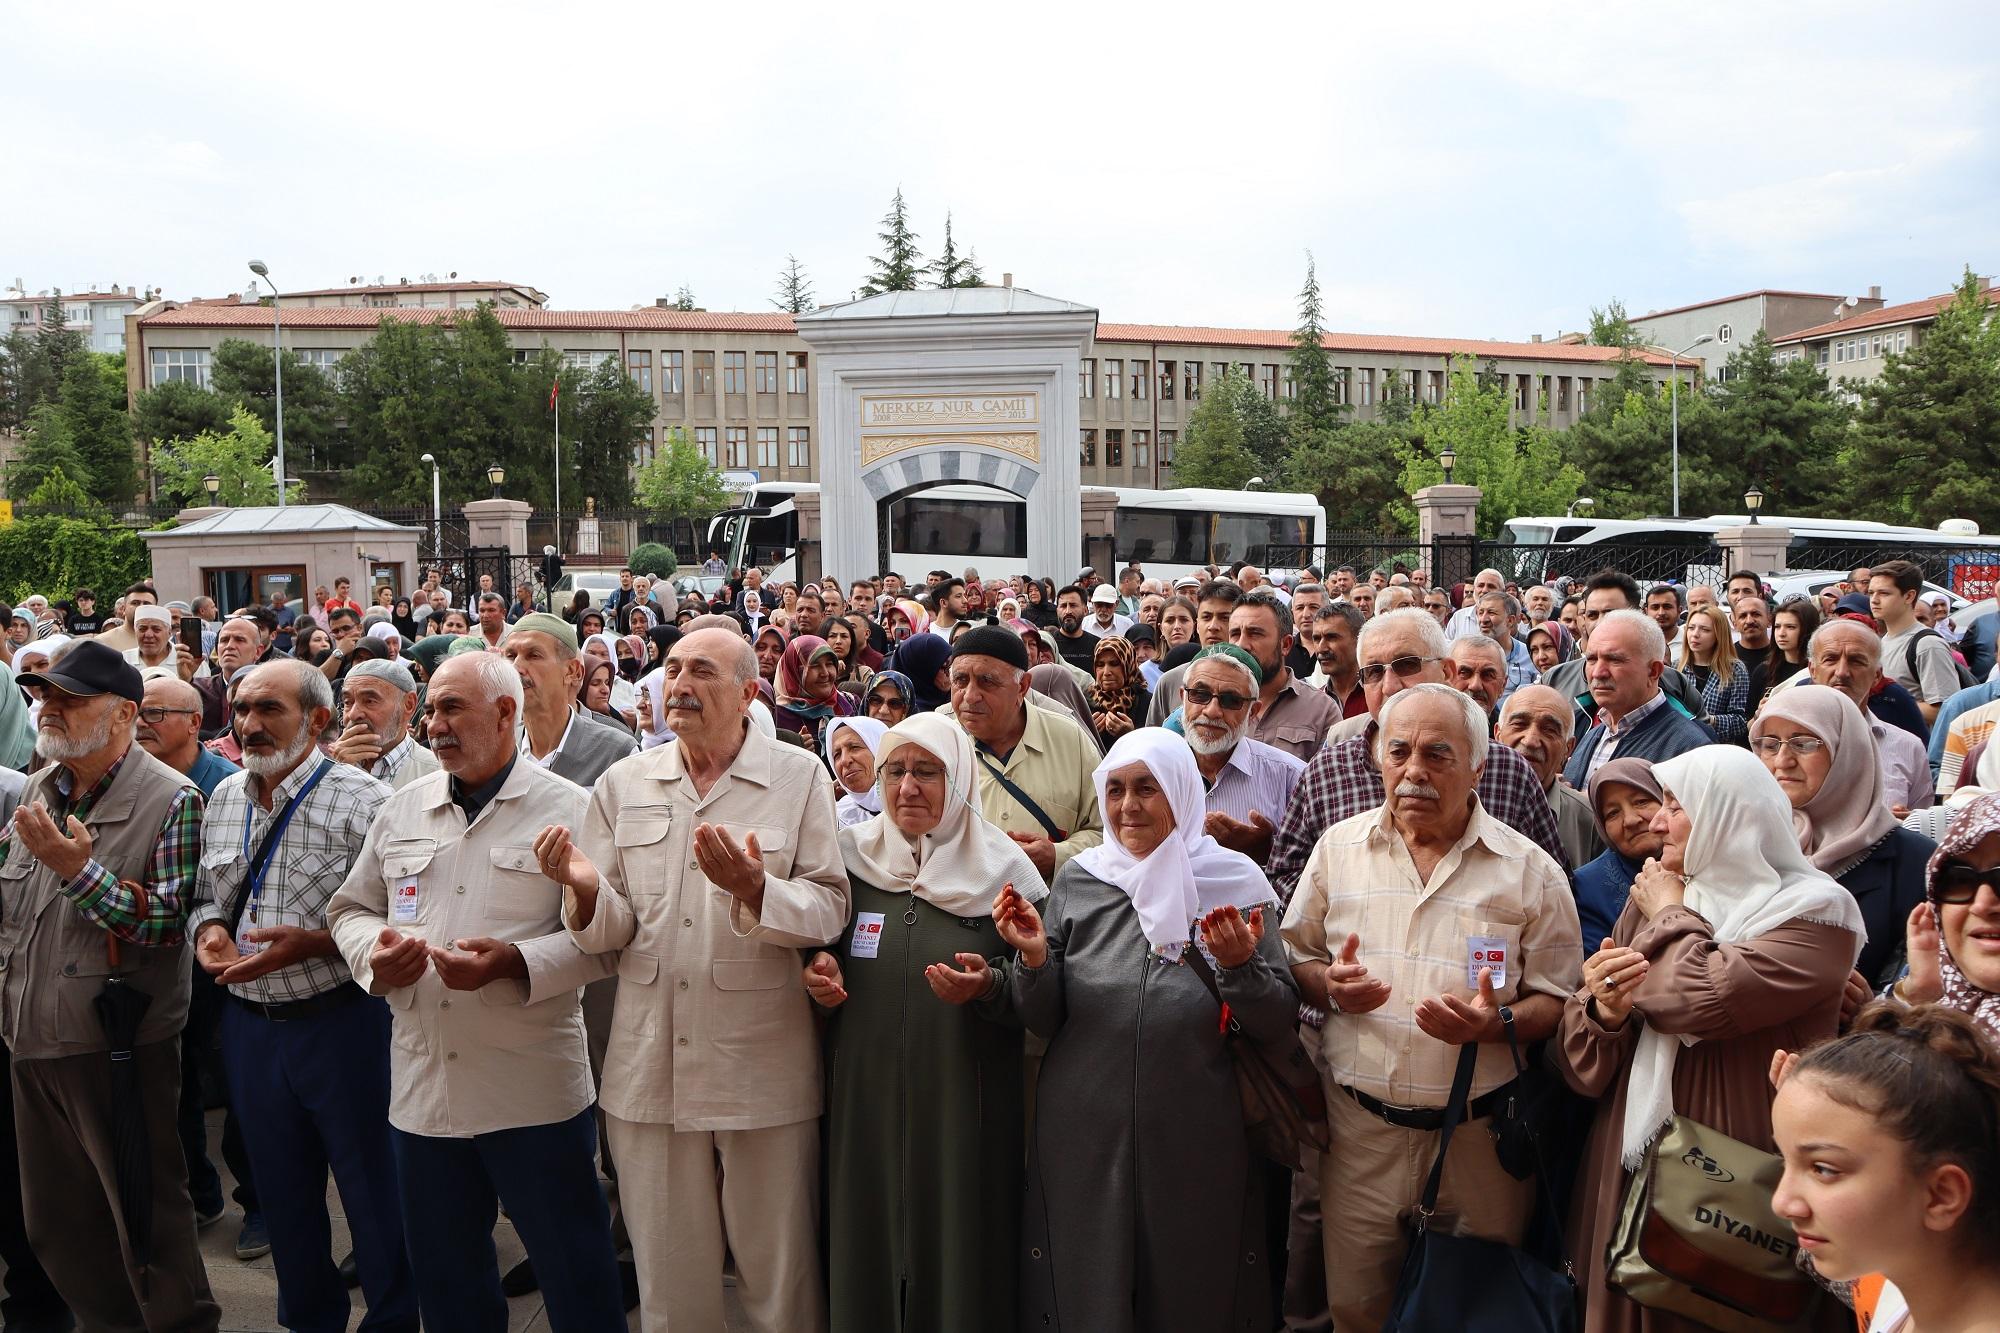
(437, 512)
(1581, 502)
(1674, 408)
(498, 476)
(1447, 459)
(1753, 500)
(263, 270)
(1254, 481)
(211, 483)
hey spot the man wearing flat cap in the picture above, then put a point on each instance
(378, 703)
(1034, 761)
(556, 732)
(96, 872)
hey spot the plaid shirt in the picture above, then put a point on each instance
(308, 865)
(1342, 781)
(156, 917)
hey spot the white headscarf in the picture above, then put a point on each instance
(856, 806)
(1189, 874)
(1745, 876)
(961, 865)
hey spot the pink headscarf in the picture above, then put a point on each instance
(1965, 832)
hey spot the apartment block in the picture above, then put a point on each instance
(1857, 346)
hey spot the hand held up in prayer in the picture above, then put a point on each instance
(67, 855)
(1612, 975)
(970, 980)
(1040, 850)
(1230, 937)
(1925, 984)
(824, 982)
(1657, 888)
(215, 951)
(1853, 996)
(737, 871)
(564, 862)
(470, 964)
(1348, 984)
(1021, 927)
(1457, 1021)
(1253, 838)
(398, 959)
(283, 946)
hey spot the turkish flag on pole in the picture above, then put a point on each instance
(554, 389)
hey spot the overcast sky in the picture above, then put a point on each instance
(1475, 170)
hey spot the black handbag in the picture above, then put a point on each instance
(1284, 1102)
(1472, 1285)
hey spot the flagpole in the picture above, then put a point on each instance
(557, 396)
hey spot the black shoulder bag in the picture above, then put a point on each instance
(1284, 1102)
(1026, 801)
(1474, 1285)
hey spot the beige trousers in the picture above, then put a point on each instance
(689, 1195)
(1371, 1181)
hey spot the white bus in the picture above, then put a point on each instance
(1686, 549)
(1167, 533)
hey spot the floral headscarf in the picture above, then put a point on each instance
(800, 653)
(920, 619)
(1559, 635)
(1967, 829)
(1114, 701)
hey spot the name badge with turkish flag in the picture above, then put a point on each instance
(1482, 952)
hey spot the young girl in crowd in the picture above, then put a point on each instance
(1891, 1143)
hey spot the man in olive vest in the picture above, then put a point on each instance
(95, 876)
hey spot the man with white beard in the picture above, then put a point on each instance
(1249, 783)
(306, 1050)
(96, 872)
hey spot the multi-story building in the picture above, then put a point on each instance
(1731, 321)
(97, 314)
(1855, 347)
(426, 292)
(741, 384)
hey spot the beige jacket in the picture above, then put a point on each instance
(713, 1030)
(510, 1054)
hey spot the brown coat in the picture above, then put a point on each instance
(1779, 991)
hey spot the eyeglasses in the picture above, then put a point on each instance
(157, 714)
(1958, 881)
(1229, 699)
(1404, 667)
(1802, 747)
(928, 775)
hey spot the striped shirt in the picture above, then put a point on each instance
(307, 866)
(156, 917)
(1257, 777)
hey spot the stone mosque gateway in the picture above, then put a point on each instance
(967, 386)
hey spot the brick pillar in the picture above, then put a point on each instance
(1100, 508)
(1759, 548)
(501, 523)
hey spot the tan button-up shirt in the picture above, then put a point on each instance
(1052, 762)
(510, 1054)
(1296, 720)
(1417, 936)
(713, 1029)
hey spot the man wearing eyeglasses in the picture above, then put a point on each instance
(1249, 783)
(1397, 649)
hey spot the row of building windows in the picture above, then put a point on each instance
(739, 371)
(735, 448)
(1114, 448)
(1143, 379)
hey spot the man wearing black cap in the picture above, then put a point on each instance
(1034, 762)
(96, 873)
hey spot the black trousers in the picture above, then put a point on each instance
(31, 1298)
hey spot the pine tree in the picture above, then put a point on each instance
(1316, 406)
(900, 264)
(46, 447)
(92, 402)
(795, 293)
(953, 269)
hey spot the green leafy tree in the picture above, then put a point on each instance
(951, 268)
(654, 560)
(1783, 428)
(1214, 449)
(795, 293)
(240, 457)
(1316, 407)
(240, 371)
(446, 389)
(47, 446)
(178, 410)
(684, 298)
(1356, 469)
(679, 483)
(40, 553)
(1926, 443)
(59, 495)
(1611, 327)
(900, 265)
(604, 416)
(92, 402)
(1519, 470)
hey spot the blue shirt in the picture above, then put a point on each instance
(209, 770)
(1521, 669)
(1972, 696)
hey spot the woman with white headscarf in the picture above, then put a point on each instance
(851, 749)
(1732, 946)
(386, 633)
(924, 1099)
(1137, 1114)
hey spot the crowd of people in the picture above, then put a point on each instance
(902, 949)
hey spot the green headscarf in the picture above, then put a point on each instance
(17, 737)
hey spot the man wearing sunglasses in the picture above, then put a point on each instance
(1249, 783)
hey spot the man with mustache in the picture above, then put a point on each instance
(448, 914)
(306, 1051)
(96, 872)
(1249, 783)
(1473, 923)
(1539, 725)
(706, 864)
(378, 700)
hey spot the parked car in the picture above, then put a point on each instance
(1809, 583)
(598, 584)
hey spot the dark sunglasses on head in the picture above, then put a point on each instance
(1229, 699)
(1958, 881)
